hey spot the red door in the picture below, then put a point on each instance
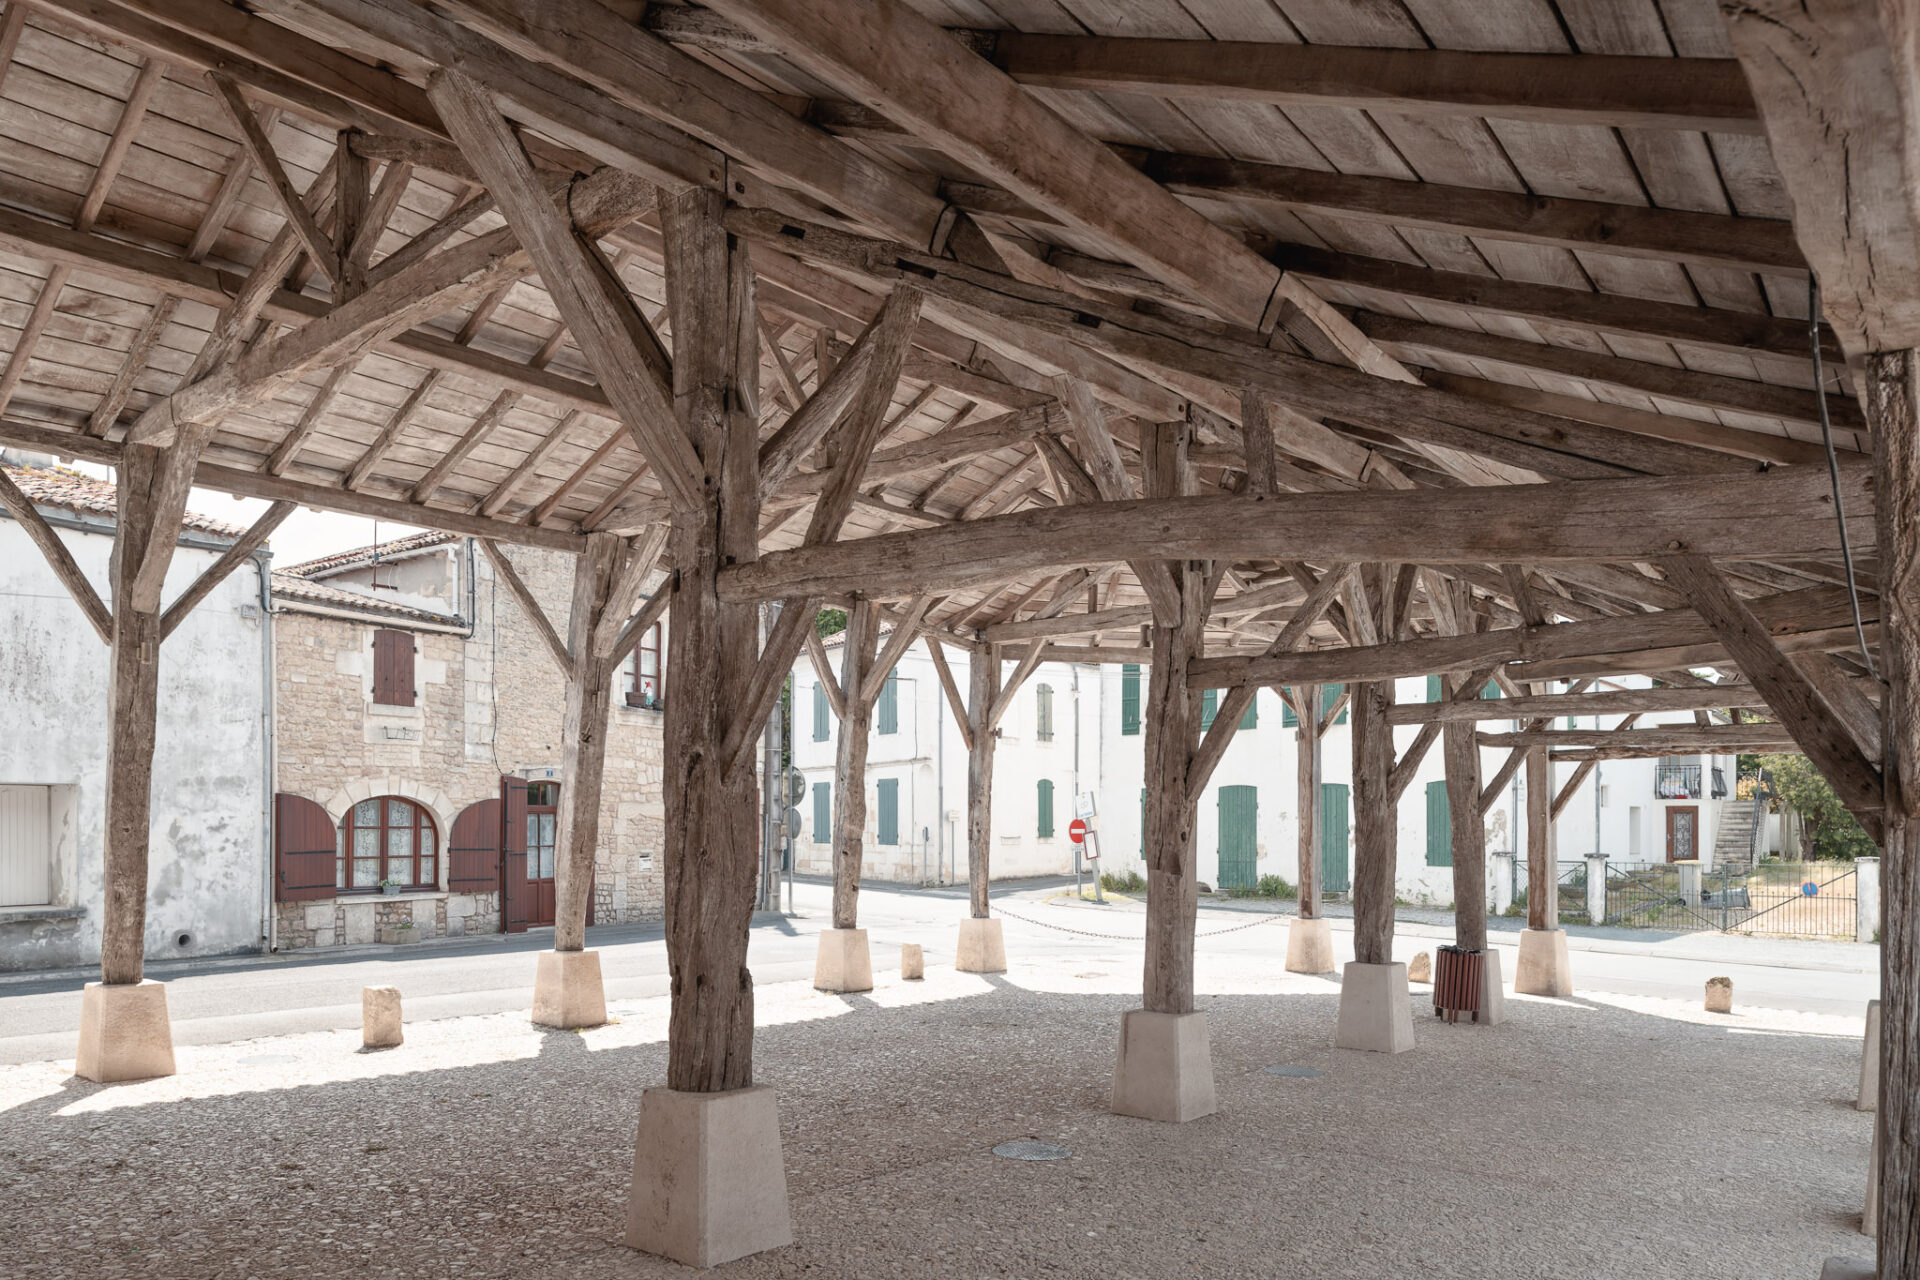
(543, 817)
(513, 855)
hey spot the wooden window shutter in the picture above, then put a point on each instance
(517, 895)
(473, 849)
(820, 712)
(1130, 698)
(393, 668)
(1043, 803)
(1288, 720)
(1439, 826)
(887, 713)
(887, 792)
(305, 850)
(1209, 708)
(822, 812)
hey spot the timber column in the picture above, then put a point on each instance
(1469, 839)
(1375, 1011)
(1544, 969)
(1309, 941)
(1165, 1066)
(843, 961)
(983, 947)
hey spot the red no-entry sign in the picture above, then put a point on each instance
(1077, 831)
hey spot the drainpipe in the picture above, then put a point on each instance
(262, 563)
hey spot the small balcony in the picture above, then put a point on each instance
(1675, 781)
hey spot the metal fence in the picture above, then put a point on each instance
(1773, 899)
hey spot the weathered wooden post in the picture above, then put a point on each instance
(1309, 940)
(983, 947)
(843, 962)
(1544, 969)
(1165, 1066)
(1375, 1010)
(1469, 834)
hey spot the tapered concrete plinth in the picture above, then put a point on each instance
(1870, 1219)
(708, 1183)
(982, 949)
(843, 962)
(913, 962)
(567, 991)
(380, 1017)
(1869, 1096)
(1165, 1068)
(124, 1032)
(1309, 946)
(1493, 996)
(1544, 969)
(1376, 1013)
(1847, 1269)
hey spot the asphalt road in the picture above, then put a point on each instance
(237, 998)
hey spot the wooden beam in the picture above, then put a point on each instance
(1611, 702)
(1820, 731)
(983, 691)
(214, 574)
(320, 250)
(1719, 739)
(1780, 513)
(530, 606)
(823, 672)
(59, 559)
(850, 762)
(963, 106)
(1035, 655)
(955, 702)
(904, 633)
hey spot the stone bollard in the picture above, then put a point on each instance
(913, 965)
(1421, 969)
(1596, 888)
(380, 1017)
(1869, 1096)
(1501, 882)
(1719, 995)
(1866, 899)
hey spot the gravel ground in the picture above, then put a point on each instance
(1600, 1136)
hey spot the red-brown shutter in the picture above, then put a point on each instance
(473, 849)
(305, 841)
(518, 894)
(393, 668)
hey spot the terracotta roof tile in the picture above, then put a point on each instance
(72, 491)
(358, 555)
(291, 586)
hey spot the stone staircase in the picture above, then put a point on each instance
(1733, 842)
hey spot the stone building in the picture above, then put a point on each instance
(419, 746)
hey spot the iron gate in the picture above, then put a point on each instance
(1773, 899)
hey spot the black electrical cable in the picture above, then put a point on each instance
(1833, 470)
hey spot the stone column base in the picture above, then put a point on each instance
(380, 1017)
(1309, 946)
(1493, 996)
(982, 948)
(708, 1182)
(1544, 969)
(1870, 1219)
(1376, 1013)
(1869, 1097)
(843, 962)
(125, 1033)
(1847, 1269)
(567, 991)
(1165, 1068)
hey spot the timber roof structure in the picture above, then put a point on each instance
(1391, 267)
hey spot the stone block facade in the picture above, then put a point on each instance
(488, 701)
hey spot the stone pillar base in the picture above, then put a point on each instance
(1165, 1068)
(1869, 1097)
(843, 962)
(1870, 1219)
(1309, 946)
(1493, 995)
(982, 948)
(380, 1017)
(1544, 969)
(125, 1033)
(913, 962)
(1376, 1013)
(708, 1183)
(567, 991)
(1847, 1269)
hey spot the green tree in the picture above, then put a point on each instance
(830, 622)
(1829, 830)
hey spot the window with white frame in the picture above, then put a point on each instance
(644, 691)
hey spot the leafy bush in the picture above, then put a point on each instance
(1128, 883)
(1270, 886)
(1828, 829)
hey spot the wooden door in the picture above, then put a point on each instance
(543, 817)
(1239, 824)
(1335, 824)
(514, 894)
(1683, 832)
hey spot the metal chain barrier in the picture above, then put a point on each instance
(1134, 937)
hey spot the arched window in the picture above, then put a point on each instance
(646, 671)
(387, 840)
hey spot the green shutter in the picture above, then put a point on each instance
(1439, 826)
(1130, 698)
(1491, 691)
(1434, 693)
(887, 791)
(822, 812)
(1209, 708)
(1252, 717)
(1044, 807)
(1043, 712)
(1329, 695)
(820, 712)
(887, 707)
(1335, 822)
(1239, 850)
(1288, 720)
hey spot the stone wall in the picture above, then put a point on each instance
(487, 704)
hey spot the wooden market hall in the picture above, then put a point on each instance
(1261, 343)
